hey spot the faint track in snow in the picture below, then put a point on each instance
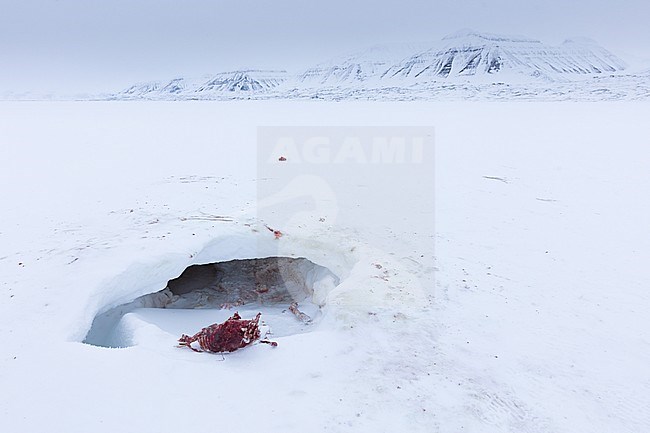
(502, 410)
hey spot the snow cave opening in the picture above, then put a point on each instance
(209, 293)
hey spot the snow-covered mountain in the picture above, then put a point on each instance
(468, 53)
(357, 67)
(236, 82)
(463, 64)
(244, 81)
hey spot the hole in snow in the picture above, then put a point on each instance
(210, 293)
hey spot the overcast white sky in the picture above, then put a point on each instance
(95, 45)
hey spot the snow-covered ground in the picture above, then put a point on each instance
(530, 315)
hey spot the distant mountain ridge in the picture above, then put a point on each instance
(235, 82)
(469, 57)
(468, 53)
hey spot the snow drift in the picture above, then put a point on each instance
(268, 284)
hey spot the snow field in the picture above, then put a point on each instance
(534, 320)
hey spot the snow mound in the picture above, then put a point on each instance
(269, 285)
